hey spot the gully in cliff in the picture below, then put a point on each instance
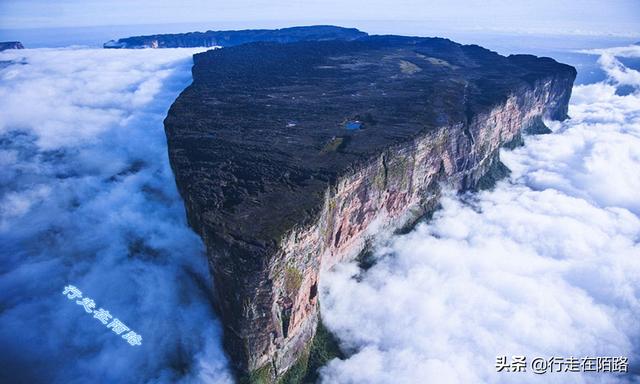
(276, 202)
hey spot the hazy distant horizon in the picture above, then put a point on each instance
(585, 17)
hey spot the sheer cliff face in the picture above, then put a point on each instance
(280, 187)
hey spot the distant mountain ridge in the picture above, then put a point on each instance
(231, 38)
(10, 45)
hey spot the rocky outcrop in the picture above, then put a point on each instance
(231, 38)
(291, 157)
(10, 45)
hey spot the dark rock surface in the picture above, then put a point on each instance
(10, 45)
(279, 187)
(231, 38)
(232, 125)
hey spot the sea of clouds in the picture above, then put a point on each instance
(87, 198)
(547, 264)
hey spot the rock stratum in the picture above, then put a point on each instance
(291, 157)
(231, 38)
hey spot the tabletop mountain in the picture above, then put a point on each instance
(293, 157)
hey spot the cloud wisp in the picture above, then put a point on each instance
(547, 264)
(87, 198)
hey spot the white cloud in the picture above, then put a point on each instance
(547, 264)
(617, 71)
(627, 51)
(88, 199)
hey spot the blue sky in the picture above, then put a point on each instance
(552, 16)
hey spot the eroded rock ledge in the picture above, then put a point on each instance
(290, 156)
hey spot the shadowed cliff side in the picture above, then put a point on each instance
(291, 156)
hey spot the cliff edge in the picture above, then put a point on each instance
(290, 157)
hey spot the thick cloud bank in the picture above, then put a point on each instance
(87, 198)
(547, 264)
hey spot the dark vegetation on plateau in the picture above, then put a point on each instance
(239, 156)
